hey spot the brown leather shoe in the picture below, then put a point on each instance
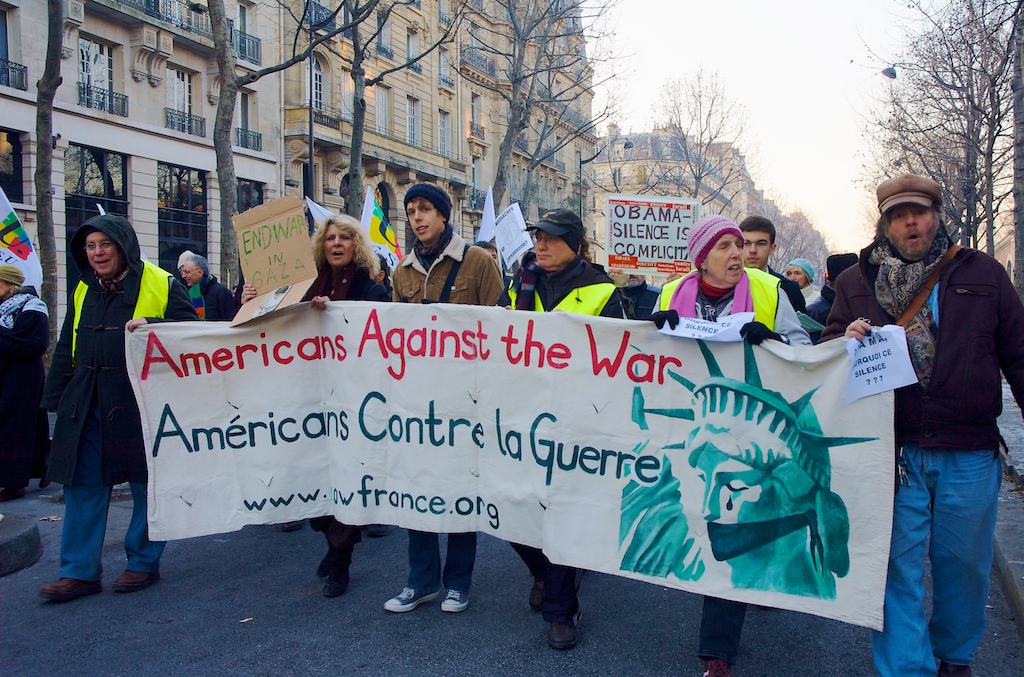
(67, 589)
(133, 581)
(562, 636)
(716, 667)
(11, 494)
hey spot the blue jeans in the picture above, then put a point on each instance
(721, 623)
(86, 502)
(952, 496)
(425, 561)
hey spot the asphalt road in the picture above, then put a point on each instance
(195, 621)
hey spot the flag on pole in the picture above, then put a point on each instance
(319, 213)
(382, 235)
(487, 222)
(15, 246)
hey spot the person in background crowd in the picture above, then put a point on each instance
(384, 276)
(802, 272)
(759, 245)
(964, 324)
(97, 440)
(642, 296)
(24, 338)
(819, 309)
(441, 268)
(491, 249)
(211, 300)
(721, 286)
(558, 275)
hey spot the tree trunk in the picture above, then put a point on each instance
(354, 201)
(47, 89)
(229, 272)
(1018, 156)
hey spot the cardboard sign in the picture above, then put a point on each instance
(649, 235)
(275, 254)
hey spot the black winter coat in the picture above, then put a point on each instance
(98, 375)
(218, 301)
(981, 331)
(21, 385)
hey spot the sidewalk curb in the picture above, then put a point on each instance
(20, 543)
(1009, 553)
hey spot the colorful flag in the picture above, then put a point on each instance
(15, 246)
(382, 234)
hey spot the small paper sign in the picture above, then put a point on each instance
(881, 362)
(725, 329)
(510, 232)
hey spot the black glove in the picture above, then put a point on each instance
(755, 332)
(662, 316)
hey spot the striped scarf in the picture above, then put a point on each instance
(195, 292)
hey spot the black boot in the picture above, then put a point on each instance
(337, 578)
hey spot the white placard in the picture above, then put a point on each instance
(510, 232)
(881, 362)
(725, 329)
(649, 235)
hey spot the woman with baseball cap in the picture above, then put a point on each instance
(558, 275)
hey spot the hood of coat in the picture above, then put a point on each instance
(120, 232)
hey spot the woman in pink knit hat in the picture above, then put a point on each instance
(720, 286)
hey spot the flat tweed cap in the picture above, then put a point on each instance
(908, 188)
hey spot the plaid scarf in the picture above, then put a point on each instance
(195, 293)
(896, 285)
(11, 308)
(427, 254)
(111, 286)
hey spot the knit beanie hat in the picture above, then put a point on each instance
(705, 233)
(11, 274)
(434, 196)
(804, 265)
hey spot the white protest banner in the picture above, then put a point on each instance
(722, 469)
(725, 329)
(487, 219)
(881, 362)
(510, 232)
(649, 235)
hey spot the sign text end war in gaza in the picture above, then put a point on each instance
(649, 235)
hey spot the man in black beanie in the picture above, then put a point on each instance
(441, 268)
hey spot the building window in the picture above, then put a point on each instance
(245, 113)
(444, 126)
(384, 35)
(383, 110)
(250, 194)
(95, 65)
(181, 212)
(412, 121)
(318, 84)
(179, 90)
(93, 178)
(347, 89)
(412, 45)
(444, 69)
(10, 165)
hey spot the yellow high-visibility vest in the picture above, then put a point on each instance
(588, 300)
(764, 291)
(153, 294)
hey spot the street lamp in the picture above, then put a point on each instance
(625, 146)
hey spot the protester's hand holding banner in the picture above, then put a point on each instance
(717, 468)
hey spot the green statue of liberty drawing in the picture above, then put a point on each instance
(768, 506)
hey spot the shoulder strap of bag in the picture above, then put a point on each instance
(926, 290)
(449, 282)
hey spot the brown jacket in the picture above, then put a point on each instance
(477, 283)
(981, 331)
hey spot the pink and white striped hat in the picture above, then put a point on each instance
(705, 233)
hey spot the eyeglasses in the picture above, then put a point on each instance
(105, 245)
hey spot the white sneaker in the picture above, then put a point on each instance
(409, 599)
(455, 601)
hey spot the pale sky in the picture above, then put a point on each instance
(788, 62)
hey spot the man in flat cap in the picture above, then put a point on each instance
(964, 323)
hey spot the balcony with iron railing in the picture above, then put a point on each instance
(479, 4)
(102, 99)
(519, 143)
(321, 17)
(249, 47)
(246, 138)
(326, 116)
(385, 51)
(444, 19)
(476, 130)
(446, 81)
(185, 123)
(13, 75)
(188, 16)
(416, 67)
(477, 199)
(473, 58)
